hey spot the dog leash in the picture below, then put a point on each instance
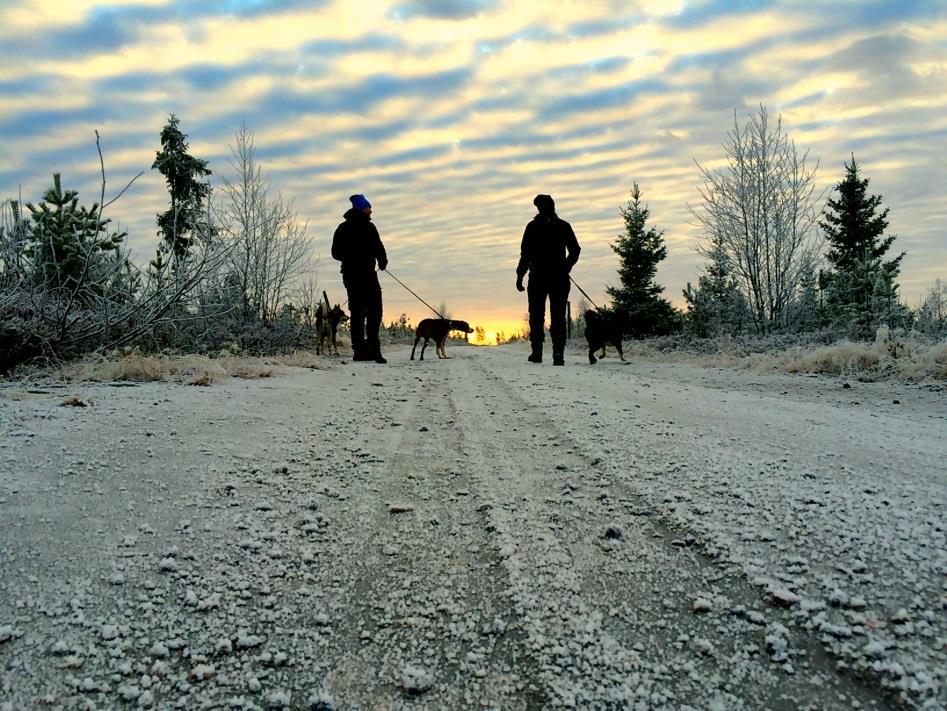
(583, 293)
(413, 294)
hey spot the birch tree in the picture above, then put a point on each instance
(270, 247)
(761, 208)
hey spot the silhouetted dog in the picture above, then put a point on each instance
(599, 330)
(438, 329)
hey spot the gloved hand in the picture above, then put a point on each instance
(519, 284)
(382, 266)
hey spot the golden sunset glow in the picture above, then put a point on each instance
(450, 116)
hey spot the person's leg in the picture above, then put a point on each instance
(558, 296)
(536, 295)
(373, 315)
(356, 296)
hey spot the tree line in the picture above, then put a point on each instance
(775, 262)
(234, 270)
(230, 273)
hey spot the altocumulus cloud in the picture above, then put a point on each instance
(451, 115)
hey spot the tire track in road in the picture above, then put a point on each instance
(613, 602)
(425, 590)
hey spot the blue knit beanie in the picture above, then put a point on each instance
(359, 202)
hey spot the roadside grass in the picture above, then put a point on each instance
(889, 357)
(186, 369)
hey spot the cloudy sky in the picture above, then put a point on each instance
(450, 115)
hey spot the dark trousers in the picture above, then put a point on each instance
(556, 289)
(364, 293)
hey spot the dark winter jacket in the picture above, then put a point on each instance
(358, 246)
(549, 247)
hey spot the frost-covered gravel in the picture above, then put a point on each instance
(477, 532)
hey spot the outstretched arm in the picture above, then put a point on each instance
(380, 253)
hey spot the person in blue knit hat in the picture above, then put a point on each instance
(358, 246)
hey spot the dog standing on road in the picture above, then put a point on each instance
(599, 330)
(327, 325)
(438, 329)
(336, 318)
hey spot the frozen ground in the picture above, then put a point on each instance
(476, 532)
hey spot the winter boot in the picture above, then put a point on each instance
(558, 359)
(536, 356)
(373, 352)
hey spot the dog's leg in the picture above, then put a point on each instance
(423, 347)
(592, 358)
(602, 354)
(618, 348)
(440, 348)
(417, 337)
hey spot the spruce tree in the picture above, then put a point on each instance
(637, 300)
(861, 287)
(68, 243)
(716, 307)
(185, 220)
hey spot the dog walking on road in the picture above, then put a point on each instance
(437, 329)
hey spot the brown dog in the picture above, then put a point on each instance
(336, 318)
(327, 325)
(438, 329)
(599, 330)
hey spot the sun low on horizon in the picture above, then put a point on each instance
(451, 116)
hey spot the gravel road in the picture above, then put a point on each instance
(475, 533)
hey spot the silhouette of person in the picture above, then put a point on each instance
(358, 246)
(548, 252)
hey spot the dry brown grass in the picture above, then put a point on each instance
(187, 369)
(889, 357)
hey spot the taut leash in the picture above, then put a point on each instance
(438, 313)
(583, 292)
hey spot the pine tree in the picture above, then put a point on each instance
(861, 288)
(716, 307)
(68, 243)
(185, 220)
(637, 302)
(808, 312)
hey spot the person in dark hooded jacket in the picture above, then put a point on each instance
(358, 246)
(548, 252)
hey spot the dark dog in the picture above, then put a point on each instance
(438, 329)
(599, 330)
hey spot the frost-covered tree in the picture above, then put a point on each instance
(860, 286)
(68, 243)
(931, 315)
(761, 206)
(268, 244)
(637, 300)
(716, 307)
(807, 305)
